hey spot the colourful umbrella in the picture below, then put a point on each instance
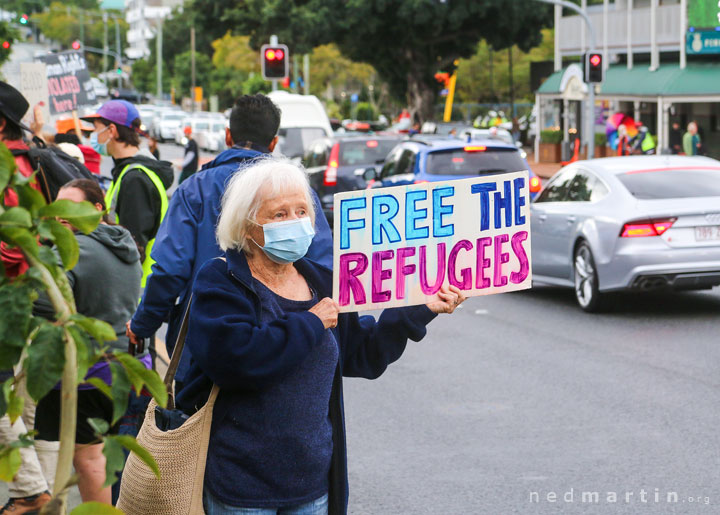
(615, 121)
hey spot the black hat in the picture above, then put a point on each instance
(13, 105)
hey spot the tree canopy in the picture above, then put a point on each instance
(406, 41)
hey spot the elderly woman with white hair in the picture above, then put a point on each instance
(264, 329)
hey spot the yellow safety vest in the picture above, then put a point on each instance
(110, 201)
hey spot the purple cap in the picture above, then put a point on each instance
(121, 112)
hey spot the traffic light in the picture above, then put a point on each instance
(593, 67)
(275, 62)
(119, 70)
(76, 45)
(6, 45)
(24, 19)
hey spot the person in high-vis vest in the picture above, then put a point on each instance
(137, 198)
(643, 143)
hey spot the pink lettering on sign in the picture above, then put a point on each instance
(349, 277)
(379, 274)
(465, 282)
(403, 270)
(427, 288)
(517, 246)
(500, 258)
(482, 263)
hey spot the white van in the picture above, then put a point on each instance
(303, 120)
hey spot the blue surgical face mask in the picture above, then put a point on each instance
(288, 241)
(100, 148)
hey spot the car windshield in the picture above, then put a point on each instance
(664, 184)
(173, 117)
(294, 141)
(218, 127)
(202, 126)
(365, 152)
(462, 162)
(500, 134)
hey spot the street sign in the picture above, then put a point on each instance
(398, 246)
(703, 42)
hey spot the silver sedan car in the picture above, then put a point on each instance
(628, 223)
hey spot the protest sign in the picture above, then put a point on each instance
(69, 84)
(398, 246)
(34, 87)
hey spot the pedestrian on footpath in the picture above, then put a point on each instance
(190, 162)
(691, 140)
(106, 285)
(137, 198)
(623, 147)
(186, 239)
(675, 139)
(264, 328)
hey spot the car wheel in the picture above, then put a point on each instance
(586, 279)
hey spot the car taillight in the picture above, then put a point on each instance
(646, 228)
(535, 185)
(421, 182)
(330, 177)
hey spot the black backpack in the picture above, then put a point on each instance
(54, 168)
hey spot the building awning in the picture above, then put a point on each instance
(697, 79)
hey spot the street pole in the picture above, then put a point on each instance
(590, 141)
(306, 73)
(105, 47)
(512, 87)
(274, 42)
(158, 51)
(192, 66)
(296, 73)
(118, 49)
(82, 28)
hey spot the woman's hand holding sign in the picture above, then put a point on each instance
(450, 297)
(327, 311)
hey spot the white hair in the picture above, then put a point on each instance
(268, 178)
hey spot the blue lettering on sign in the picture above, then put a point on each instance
(519, 184)
(440, 210)
(346, 224)
(413, 214)
(384, 209)
(484, 191)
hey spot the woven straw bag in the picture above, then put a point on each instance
(180, 454)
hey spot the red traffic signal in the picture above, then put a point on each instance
(275, 62)
(76, 45)
(593, 67)
(6, 45)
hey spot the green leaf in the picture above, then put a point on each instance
(101, 385)
(16, 217)
(15, 406)
(45, 361)
(114, 459)
(65, 241)
(82, 345)
(131, 444)
(101, 331)
(30, 198)
(139, 375)
(99, 425)
(95, 508)
(120, 390)
(4, 393)
(20, 237)
(15, 311)
(7, 166)
(81, 215)
(10, 462)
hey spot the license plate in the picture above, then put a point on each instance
(707, 233)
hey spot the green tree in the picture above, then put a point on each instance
(62, 350)
(144, 76)
(406, 41)
(182, 78)
(11, 35)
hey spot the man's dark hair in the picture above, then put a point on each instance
(254, 119)
(127, 135)
(12, 130)
(67, 137)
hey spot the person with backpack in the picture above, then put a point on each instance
(137, 198)
(186, 239)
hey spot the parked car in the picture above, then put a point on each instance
(214, 139)
(100, 88)
(635, 223)
(338, 164)
(199, 124)
(147, 115)
(166, 123)
(302, 121)
(497, 133)
(422, 159)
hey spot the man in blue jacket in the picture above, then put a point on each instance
(186, 238)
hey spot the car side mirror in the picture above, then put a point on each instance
(370, 174)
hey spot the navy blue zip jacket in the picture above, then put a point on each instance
(186, 240)
(231, 348)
